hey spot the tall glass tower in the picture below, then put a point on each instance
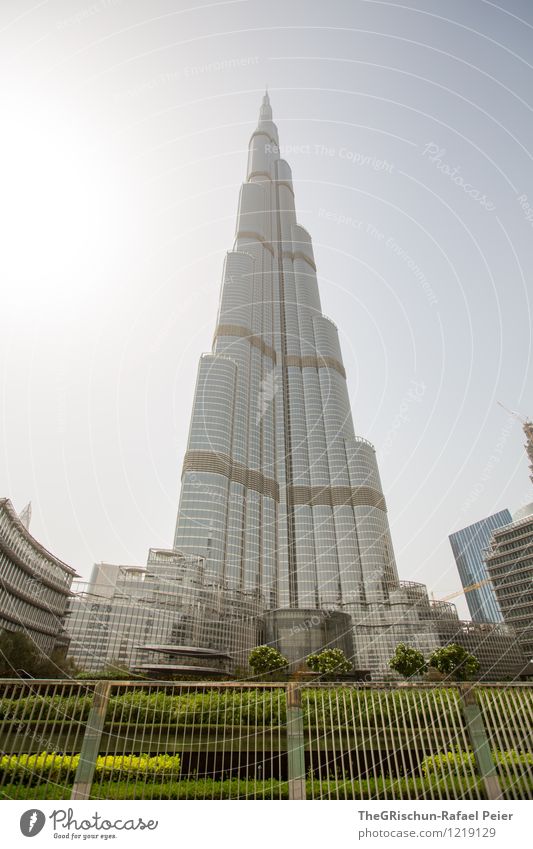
(282, 533)
(278, 493)
(469, 547)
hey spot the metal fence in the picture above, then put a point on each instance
(170, 740)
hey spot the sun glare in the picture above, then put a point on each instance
(56, 209)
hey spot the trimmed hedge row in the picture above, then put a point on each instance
(453, 766)
(46, 708)
(463, 763)
(322, 708)
(32, 769)
(235, 788)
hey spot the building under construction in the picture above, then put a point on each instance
(528, 430)
(527, 427)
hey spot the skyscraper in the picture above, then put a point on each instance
(278, 493)
(469, 546)
(282, 533)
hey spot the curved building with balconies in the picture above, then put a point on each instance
(34, 584)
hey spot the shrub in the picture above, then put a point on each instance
(209, 707)
(20, 657)
(407, 661)
(46, 708)
(252, 707)
(455, 662)
(329, 663)
(265, 659)
(235, 788)
(457, 762)
(46, 766)
(153, 767)
(31, 769)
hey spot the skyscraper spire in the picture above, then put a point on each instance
(266, 108)
(265, 123)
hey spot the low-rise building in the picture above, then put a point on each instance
(162, 617)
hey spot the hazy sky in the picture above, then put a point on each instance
(408, 127)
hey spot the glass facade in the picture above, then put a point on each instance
(125, 615)
(469, 546)
(509, 560)
(278, 493)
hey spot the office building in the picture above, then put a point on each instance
(469, 546)
(509, 561)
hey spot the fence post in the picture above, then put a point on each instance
(295, 742)
(479, 741)
(91, 742)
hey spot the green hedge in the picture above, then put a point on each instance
(49, 708)
(405, 788)
(232, 707)
(463, 763)
(447, 771)
(324, 708)
(52, 767)
(340, 706)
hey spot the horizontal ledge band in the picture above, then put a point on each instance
(337, 496)
(246, 333)
(249, 234)
(222, 464)
(299, 255)
(291, 360)
(315, 362)
(311, 496)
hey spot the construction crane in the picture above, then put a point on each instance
(527, 427)
(466, 590)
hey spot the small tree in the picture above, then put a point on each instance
(455, 662)
(329, 663)
(58, 665)
(312, 662)
(407, 661)
(265, 659)
(18, 655)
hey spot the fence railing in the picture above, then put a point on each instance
(175, 740)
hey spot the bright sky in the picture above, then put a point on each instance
(125, 129)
